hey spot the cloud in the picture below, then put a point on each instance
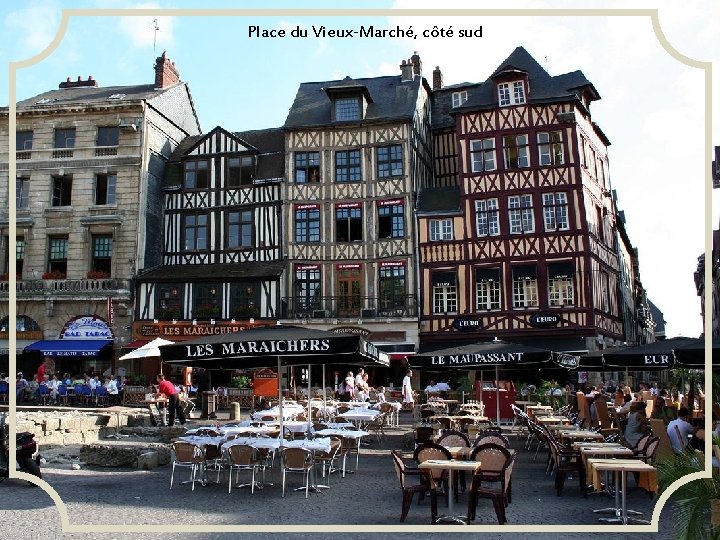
(140, 29)
(28, 31)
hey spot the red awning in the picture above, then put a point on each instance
(135, 344)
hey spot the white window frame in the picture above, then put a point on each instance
(458, 98)
(561, 291)
(482, 155)
(525, 292)
(555, 211)
(511, 93)
(550, 148)
(441, 230)
(487, 295)
(487, 217)
(517, 144)
(445, 299)
(520, 214)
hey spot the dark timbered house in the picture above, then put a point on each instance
(222, 243)
(523, 247)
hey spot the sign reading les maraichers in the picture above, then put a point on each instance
(253, 348)
(463, 359)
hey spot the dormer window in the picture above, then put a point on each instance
(512, 93)
(347, 109)
(458, 98)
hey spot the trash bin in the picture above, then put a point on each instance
(208, 405)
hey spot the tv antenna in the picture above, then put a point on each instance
(156, 28)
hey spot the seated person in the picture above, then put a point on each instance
(636, 427)
(686, 429)
(380, 391)
(432, 387)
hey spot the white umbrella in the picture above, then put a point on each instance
(149, 349)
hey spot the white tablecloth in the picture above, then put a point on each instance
(350, 433)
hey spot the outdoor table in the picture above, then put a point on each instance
(360, 416)
(538, 410)
(648, 480)
(553, 421)
(202, 442)
(601, 450)
(451, 465)
(289, 412)
(157, 414)
(117, 410)
(338, 425)
(568, 436)
(314, 445)
(258, 430)
(459, 452)
(394, 414)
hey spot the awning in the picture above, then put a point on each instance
(135, 344)
(20, 344)
(69, 347)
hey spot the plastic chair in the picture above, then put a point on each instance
(42, 394)
(101, 395)
(4, 391)
(404, 473)
(497, 466)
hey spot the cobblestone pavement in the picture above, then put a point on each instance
(370, 498)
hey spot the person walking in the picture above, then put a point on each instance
(168, 389)
(407, 392)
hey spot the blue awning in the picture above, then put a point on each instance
(69, 347)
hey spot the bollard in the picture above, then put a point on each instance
(235, 410)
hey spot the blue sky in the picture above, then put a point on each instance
(651, 107)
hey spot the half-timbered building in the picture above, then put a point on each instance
(357, 152)
(524, 248)
(222, 240)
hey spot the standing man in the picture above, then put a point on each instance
(168, 389)
(407, 392)
(44, 369)
(360, 394)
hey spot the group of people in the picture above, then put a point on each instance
(355, 387)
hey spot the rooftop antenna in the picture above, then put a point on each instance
(155, 31)
(547, 68)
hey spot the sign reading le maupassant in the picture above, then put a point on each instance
(295, 346)
(490, 358)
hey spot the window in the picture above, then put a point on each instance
(550, 148)
(555, 211)
(108, 136)
(307, 224)
(241, 232)
(487, 289)
(22, 192)
(347, 109)
(389, 161)
(482, 155)
(196, 175)
(61, 190)
(511, 93)
(307, 167)
(23, 140)
(105, 188)
(240, 171)
(245, 299)
(520, 214)
(458, 98)
(391, 286)
(195, 228)
(444, 292)
(525, 286)
(487, 217)
(307, 289)
(170, 301)
(65, 138)
(347, 166)
(391, 220)
(440, 229)
(207, 299)
(102, 253)
(57, 255)
(560, 284)
(515, 150)
(19, 255)
(348, 224)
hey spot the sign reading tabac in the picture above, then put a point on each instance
(87, 327)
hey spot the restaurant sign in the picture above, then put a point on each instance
(567, 361)
(467, 323)
(87, 327)
(543, 320)
(656, 360)
(489, 358)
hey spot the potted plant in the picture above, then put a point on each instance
(53, 274)
(97, 274)
(206, 311)
(246, 311)
(169, 313)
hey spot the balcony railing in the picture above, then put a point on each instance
(356, 307)
(66, 286)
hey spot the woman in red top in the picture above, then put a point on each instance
(168, 389)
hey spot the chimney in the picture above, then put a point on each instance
(406, 71)
(437, 78)
(165, 72)
(416, 63)
(80, 82)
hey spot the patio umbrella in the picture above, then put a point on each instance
(149, 350)
(691, 353)
(273, 345)
(480, 355)
(657, 355)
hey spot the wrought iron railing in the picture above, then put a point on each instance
(363, 307)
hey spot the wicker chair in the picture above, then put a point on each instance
(296, 460)
(190, 456)
(242, 457)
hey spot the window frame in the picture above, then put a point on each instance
(479, 161)
(561, 291)
(245, 299)
(22, 192)
(351, 169)
(192, 169)
(169, 300)
(556, 212)
(550, 152)
(440, 230)
(102, 256)
(341, 113)
(516, 151)
(307, 225)
(307, 284)
(61, 190)
(392, 288)
(395, 215)
(525, 291)
(349, 219)
(246, 219)
(488, 295)
(195, 227)
(22, 140)
(65, 136)
(308, 163)
(387, 161)
(521, 214)
(58, 254)
(458, 98)
(511, 93)
(491, 217)
(244, 175)
(112, 133)
(206, 296)
(445, 299)
(105, 183)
